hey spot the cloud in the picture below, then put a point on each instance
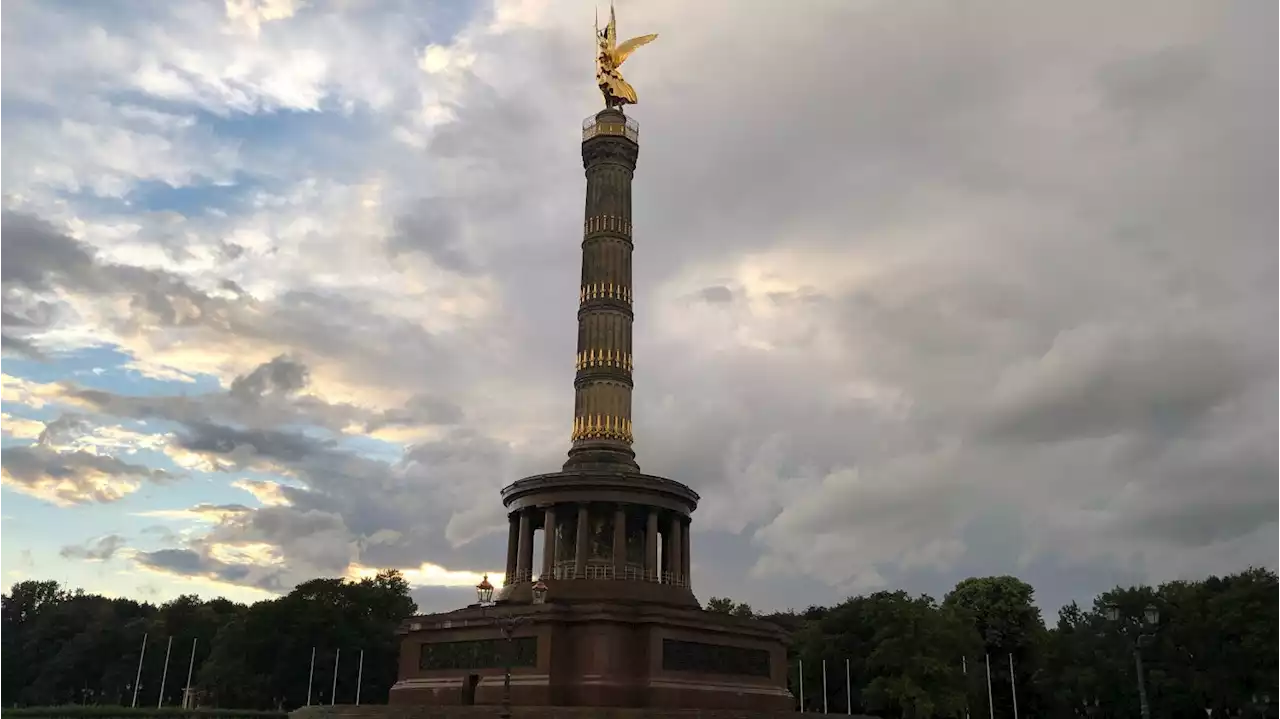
(999, 298)
(78, 477)
(95, 550)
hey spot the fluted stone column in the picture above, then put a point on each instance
(524, 566)
(513, 547)
(549, 542)
(673, 548)
(619, 541)
(651, 544)
(581, 550)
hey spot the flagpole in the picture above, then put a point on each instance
(190, 668)
(824, 686)
(848, 689)
(164, 676)
(964, 670)
(333, 693)
(990, 704)
(138, 678)
(1013, 687)
(801, 685)
(359, 677)
(311, 675)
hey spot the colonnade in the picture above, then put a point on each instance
(599, 540)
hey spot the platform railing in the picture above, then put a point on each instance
(591, 127)
(601, 571)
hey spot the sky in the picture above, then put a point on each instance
(924, 290)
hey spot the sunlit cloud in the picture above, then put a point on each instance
(432, 575)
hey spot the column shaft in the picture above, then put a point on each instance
(549, 543)
(580, 552)
(651, 545)
(602, 402)
(687, 560)
(619, 541)
(672, 548)
(524, 565)
(513, 548)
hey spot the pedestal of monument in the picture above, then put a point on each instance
(612, 633)
(597, 655)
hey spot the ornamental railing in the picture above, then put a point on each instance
(629, 128)
(601, 571)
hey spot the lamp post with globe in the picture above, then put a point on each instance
(1140, 631)
(507, 625)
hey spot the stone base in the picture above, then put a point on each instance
(595, 655)
(475, 712)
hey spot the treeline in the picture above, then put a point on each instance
(63, 647)
(1212, 646)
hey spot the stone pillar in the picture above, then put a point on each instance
(580, 552)
(549, 543)
(513, 547)
(619, 541)
(651, 545)
(686, 560)
(524, 565)
(672, 549)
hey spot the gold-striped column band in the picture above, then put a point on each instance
(602, 426)
(604, 290)
(606, 223)
(604, 358)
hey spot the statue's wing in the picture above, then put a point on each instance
(625, 49)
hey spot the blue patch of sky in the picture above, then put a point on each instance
(191, 200)
(272, 134)
(372, 448)
(102, 367)
(39, 414)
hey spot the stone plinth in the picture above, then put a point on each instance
(457, 712)
(594, 655)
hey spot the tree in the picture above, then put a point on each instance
(1003, 611)
(720, 605)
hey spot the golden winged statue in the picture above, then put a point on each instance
(610, 56)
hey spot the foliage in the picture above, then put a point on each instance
(84, 649)
(724, 605)
(1215, 647)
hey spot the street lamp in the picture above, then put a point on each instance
(484, 590)
(1150, 619)
(507, 625)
